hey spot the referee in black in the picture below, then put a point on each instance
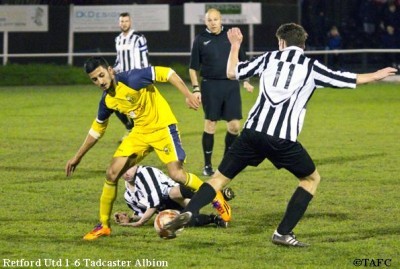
(288, 79)
(219, 95)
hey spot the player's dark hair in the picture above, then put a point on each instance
(294, 34)
(93, 62)
(124, 14)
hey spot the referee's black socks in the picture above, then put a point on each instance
(208, 145)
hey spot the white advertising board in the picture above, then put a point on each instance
(105, 18)
(232, 13)
(23, 18)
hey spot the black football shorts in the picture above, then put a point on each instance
(252, 147)
(221, 99)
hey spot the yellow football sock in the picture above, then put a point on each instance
(193, 182)
(106, 202)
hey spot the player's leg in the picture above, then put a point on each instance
(117, 167)
(230, 166)
(177, 173)
(302, 166)
(169, 149)
(130, 151)
(182, 195)
(295, 210)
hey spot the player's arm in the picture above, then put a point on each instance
(71, 165)
(235, 38)
(246, 82)
(145, 218)
(95, 133)
(375, 76)
(192, 100)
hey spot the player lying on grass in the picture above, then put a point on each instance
(288, 80)
(148, 191)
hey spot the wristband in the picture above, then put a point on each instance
(196, 89)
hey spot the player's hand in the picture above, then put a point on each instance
(121, 218)
(71, 166)
(385, 72)
(193, 101)
(235, 36)
(248, 86)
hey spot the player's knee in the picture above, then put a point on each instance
(310, 183)
(315, 178)
(111, 175)
(177, 175)
(175, 193)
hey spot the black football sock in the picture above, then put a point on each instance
(208, 145)
(204, 196)
(296, 208)
(229, 138)
(201, 220)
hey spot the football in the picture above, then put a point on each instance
(164, 217)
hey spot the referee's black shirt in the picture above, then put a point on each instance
(210, 54)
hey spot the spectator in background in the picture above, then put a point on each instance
(314, 20)
(390, 40)
(368, 15)
(132, 53)
(390, 16)
(334, 42)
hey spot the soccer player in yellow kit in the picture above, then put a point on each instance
(134, 94)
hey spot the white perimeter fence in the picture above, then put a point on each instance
(366, 53)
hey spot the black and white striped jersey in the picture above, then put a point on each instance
(287, 81)
(132, 51)
(151, 187)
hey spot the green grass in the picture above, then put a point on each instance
(353, 137)
(41, 74)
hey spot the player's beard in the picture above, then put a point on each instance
(126, 29)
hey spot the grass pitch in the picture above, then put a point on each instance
(353, 136)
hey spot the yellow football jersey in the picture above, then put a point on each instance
(137, 97)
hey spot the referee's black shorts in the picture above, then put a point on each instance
(221, 99)
(252, 147)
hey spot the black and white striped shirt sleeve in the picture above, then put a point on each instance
(253, 67)
(325, 77)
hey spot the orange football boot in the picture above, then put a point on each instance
(222, 206)
(98, 231)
